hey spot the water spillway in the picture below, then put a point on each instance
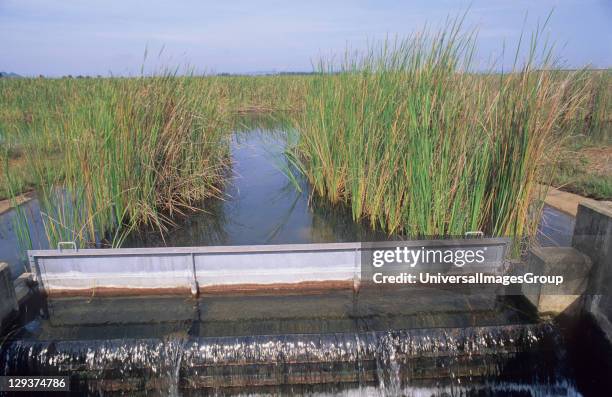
(384, 358)
(275, 316)
(327, 342)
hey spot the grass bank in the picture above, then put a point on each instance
(585, 170)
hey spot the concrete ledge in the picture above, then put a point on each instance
(7, 205)
(593, 236)
(564, 201)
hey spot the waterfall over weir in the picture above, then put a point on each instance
(320, 345)
(385, 361)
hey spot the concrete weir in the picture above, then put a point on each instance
(295, 267)
(303, 267)
(586, 267)
(593, 236)
(192, 269)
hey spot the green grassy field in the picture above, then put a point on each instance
(402, 134)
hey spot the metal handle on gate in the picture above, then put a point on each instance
(477, 234)
(64, 243)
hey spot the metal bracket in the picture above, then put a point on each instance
(357, 271)
(195, 288)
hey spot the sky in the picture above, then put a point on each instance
(108, 37)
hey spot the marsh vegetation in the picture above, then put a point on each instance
(405, 134)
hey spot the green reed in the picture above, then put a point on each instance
(417, 144)
(109, 155)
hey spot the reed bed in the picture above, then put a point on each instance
(267, 94)
(591, 123)
(417, 144)
(404, 135)
(110, 155)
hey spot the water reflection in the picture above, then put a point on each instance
(11, 250)
(555, 229)
(262, 204)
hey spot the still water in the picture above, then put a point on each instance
(261, 205)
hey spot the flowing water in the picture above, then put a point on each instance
(336, 343)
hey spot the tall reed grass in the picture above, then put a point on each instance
(248, 94)
(413, 141)
(109, 155)
(591, 124)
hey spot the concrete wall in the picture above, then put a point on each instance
(593, 236)
(8, 302)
